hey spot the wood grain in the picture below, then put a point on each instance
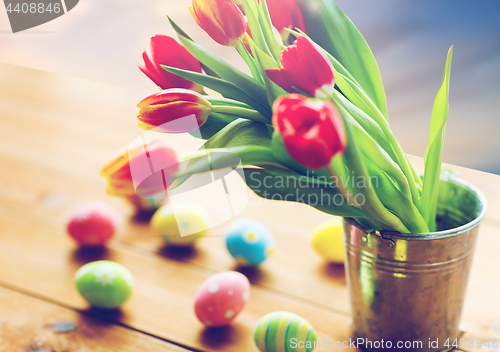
(56, 133)
(63, 165)
(162, 303)
(29, 324)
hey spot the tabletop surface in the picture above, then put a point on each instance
(56, 133)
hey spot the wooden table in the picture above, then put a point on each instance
(56, 133)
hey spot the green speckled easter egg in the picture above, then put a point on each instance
(284, 332)
(104, 284)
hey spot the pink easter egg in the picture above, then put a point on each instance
(221, 297)
(93, 223)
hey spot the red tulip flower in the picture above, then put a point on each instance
(167, 51)
(173, 111)
(312, 130)
(129, 175)
(223, 21)
(285, 14)
(305, 68)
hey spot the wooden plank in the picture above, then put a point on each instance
(480, 311)
(55, 165)
(162, 304)
(64, 142)
(46, 186)
(30, 324)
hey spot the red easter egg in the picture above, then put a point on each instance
(93, 223)
(221, 297)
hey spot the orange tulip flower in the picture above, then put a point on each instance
(223, 21)
(173, 111)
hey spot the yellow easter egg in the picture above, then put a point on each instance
(181, 224)
(327, 240)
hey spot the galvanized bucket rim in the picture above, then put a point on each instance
(438, 234)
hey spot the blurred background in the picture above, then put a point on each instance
(103, 40)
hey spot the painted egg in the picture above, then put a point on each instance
(93, 224)
(284, 332)
(104, 284)
(249, 241)
(327, 240)
(182, 225)
(221, 297)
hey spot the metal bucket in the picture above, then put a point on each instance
(407, 290)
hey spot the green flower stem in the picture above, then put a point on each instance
(398, 203)
(372, 157)
(404, 163)
(416, 177)
(251, 10)
(382, 121)
(379, 164)
(265, 20)
(240, 112)
(355, 163)
(372, 149)
(249, 60)
(401, 157)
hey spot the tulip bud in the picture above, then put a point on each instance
(312, 130)
(223, 21)
(173, 111)
(167, 51)
(305, 68)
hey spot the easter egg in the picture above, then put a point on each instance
(221, 297)
(283, 331)
(182, 225)
(104, 284)
(249, 241)
(93, 223)
(327, 241)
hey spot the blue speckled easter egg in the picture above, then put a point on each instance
(249, 241)
(283, 331)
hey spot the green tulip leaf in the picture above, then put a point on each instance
(250, 61)
(328, 26)
(221, 68)
(178, 29)
(238, 133)
(246, 83)
(266, 62)
(389, 193)
(220, 101)
(349, 87)
(222, 158)
(225, 88)
(352, 163)
(241, 132)
(214, 124)
(366, 122)
(180, 32)
(434, 150)
(274, 43)
(251, 11)
(285, 185)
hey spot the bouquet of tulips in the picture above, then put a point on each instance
(308, 124)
